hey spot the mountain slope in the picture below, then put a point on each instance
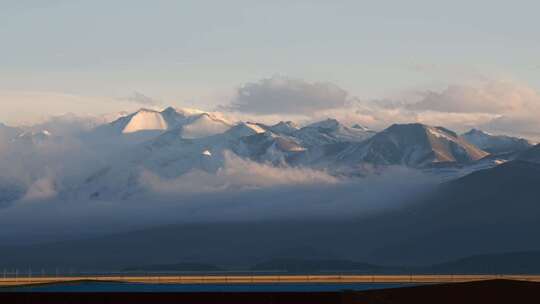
(268, 147)
(474, 214)
(194, 123)
(527, 262)
(168, 155)
(330, 131)
(34, 138)
(413, 145)
(496, 144)
(284, 127)
(532, 154)
(204, 125)
(492, 210)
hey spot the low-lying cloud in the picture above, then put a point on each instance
(43, 178)
(236, 174)
(208, 198)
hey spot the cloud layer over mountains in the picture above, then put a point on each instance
(498, 106)
(104, 179)
(237, 174)
(188, 165)
(494, 105)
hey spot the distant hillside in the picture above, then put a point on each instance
(492, 210)
(508, 263)
(531, 155)
(496, 144)
(185, 266)
(316, 266)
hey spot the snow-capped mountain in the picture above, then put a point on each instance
(193, 122)
(360, 127)
(145, 125)
(496, 144)
(168, 155)
(330, 131)
(34, 137)
(268, 147)
(324, 145)
(284, 127)
(414, 145)
(174, 142)
(143, 120)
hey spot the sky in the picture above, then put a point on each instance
(94, 57)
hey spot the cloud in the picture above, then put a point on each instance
(527, 125)
(495, 106)
(232, 195)
(29, 107)
(281, 95)
(236, 174)
(142, 99)
(493, 97)
(500, 106)
(55, 175)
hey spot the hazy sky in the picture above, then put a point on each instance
(91, 56)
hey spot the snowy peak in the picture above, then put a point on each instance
(245, 129)
(329, 124)
(284, 127)
(40, 135)
(204, 125)
(414, 145)
(269, 147)
(360, 127)
(240, 130)
(194, 123)
(496, 144)
(185, 112)
(145, 120)
(477, 132)
(33, 137)
(330, 131)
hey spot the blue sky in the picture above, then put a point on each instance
(89, 56)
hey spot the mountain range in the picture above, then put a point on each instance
(173, 142)
(489, 211)
(485, 202)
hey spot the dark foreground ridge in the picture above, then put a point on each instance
(493, 291)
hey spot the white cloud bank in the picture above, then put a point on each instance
(236, 174)
(498, 106)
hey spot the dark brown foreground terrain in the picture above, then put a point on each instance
(494, 291)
